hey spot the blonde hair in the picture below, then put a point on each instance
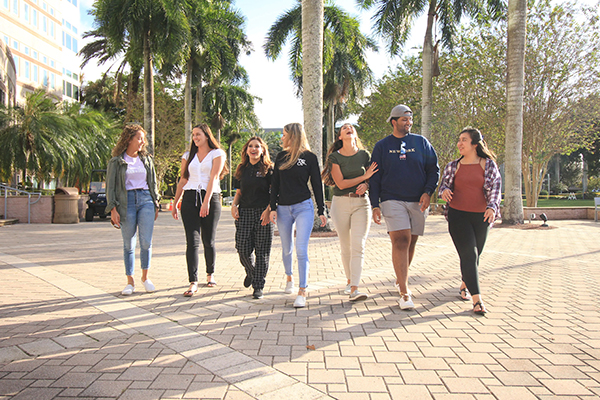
(129, 131)
(297, 144)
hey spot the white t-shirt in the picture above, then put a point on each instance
(200, 171)
(135, 176)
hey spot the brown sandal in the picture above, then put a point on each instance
(190, 292)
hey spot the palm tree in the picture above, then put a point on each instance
(345, 71)
(147, 30)
(394, 18)
(216, 41)
(35, 138)
(515, 85)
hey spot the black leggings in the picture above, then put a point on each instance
(197, 227)
(469, 232)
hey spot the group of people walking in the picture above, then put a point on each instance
(396, 182)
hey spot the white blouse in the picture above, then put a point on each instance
(200, 171)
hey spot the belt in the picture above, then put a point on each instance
(352, 195)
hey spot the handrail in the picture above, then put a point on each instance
(7, 189)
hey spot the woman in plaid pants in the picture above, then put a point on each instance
(251, 211)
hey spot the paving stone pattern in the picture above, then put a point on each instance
(67, 333)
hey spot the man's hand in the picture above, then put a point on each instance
(377, 216)
(424, 202)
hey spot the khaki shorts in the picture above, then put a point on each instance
(401, 215)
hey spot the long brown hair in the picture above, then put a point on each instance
(265, 160)
(337, 144)
(212, 143)
(477, 138)
(298, 143)
(129, 131)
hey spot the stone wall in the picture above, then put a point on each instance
(41, 211)
(560, 213)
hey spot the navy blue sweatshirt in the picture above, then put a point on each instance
(408, 167)
(290, 186)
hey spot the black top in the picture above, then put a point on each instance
(290, 186)
(255, 187)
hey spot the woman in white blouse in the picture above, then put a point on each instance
(201, 169)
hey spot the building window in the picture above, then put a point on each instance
(44, 77)
(52, 80)
(34, 18)
(15, 45)
(52, 28)
(52, 64)
(26, 50)
(45, 24)
(35, 55)
(45, 60)
(16, 59)
(75, 92)
(6, 40)
(26, 68)
(26, 12)
(35, 74)
(5, 3)
(15, 7)
(45, 6)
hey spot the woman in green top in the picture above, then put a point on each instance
(348, 170)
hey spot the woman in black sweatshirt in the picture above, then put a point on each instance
(291, 203)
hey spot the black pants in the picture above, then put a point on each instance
(253, 243)
(469, 232)
(197, 227)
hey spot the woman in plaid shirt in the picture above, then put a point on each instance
(471, 186)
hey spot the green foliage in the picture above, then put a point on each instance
(46, 141)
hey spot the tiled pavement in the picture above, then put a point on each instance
(66, 332)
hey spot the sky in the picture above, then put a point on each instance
(270, 80)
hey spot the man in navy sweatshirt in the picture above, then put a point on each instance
(401, 190)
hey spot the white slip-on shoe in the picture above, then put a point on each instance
(289, 287)
(406, 304)
(149, 286)
(348, 289)
(300, 301)
(356, 295)
(129, 289)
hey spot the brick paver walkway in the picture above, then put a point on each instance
(67, 333)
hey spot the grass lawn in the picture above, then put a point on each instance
(563, 203)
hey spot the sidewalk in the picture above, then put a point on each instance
(67, 333)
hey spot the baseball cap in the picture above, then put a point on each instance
(400, 111)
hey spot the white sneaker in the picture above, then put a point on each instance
(289, 287)
(149, 286)
(129, 289)
(348, 289)
(406, 304)
(356, 295)
(300, 301)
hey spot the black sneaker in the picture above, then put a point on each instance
(258, 294)
(248, 280)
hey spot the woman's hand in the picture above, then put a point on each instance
(371, 170)
(205, 208)
(323, 220)
(489, 215)
(447, 195)
(174, 211)
(362, 188)
(235, 212)
(156, 216)
(265, 217)
(115, 218)
(274, 217)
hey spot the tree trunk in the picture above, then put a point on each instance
(312, 80)
(148, 95)
(198, 118)
(427, 94)
(517, 28)
(330, 127)
(312, 73)
(187, 102)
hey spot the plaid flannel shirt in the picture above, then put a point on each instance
(492, 186)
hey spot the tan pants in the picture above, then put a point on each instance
(352, 219)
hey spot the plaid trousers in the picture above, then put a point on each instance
(253, 243)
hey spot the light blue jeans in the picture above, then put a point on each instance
(140, 217)
(301, 215)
